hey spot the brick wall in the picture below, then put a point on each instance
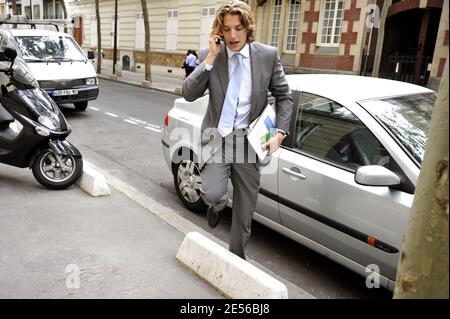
(342, 62)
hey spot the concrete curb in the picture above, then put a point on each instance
(233, 276)
(93, 182)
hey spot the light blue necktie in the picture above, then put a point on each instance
(228, 115)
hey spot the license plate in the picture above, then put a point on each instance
(64, 92)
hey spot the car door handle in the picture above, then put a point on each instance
(293, 173)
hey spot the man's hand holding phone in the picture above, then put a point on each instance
(214, 47)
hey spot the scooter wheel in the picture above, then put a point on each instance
(55, 174)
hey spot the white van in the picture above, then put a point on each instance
(57, 62)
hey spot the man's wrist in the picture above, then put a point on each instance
(210, 59)
(282, 132)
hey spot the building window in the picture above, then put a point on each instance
(52, 9)
(208, 15)
(292, 26)
(58, 10)
(330, 23)
(276, 23)
(28, 12)
(263, 21)
(18, 8)
(49, 11)
(140, 31)
(93, 31)
(36, 12)
(171, 29)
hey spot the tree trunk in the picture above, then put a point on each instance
(423, 265)
(148, 64)
(99, 37)
(63, 3)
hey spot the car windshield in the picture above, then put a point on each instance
(408, 118)
(49, 49)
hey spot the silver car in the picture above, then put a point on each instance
(343, 181)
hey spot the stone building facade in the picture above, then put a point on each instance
(402, 39)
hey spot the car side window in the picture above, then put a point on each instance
(329, 131)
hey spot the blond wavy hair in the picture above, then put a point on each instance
(236, 7)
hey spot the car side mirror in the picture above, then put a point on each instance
(376, 175)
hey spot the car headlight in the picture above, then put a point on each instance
(47, 122)
(91, 81)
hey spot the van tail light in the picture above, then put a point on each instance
(166, 120)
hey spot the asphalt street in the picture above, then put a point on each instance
(121, 133)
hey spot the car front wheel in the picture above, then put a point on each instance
(188, 185)
(81, 106)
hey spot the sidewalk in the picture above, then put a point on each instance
(113, 245)
(164, 78)
(118, 246)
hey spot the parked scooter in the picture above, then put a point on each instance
(33, 129)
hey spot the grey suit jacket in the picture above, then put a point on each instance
(267, 75)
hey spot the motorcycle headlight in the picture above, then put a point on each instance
(91, 81)
(47, 122)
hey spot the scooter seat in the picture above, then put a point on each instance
(5, 117)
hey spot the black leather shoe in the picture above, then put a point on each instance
(213, 217)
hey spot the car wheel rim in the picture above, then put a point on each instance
(55, 171)
(189, 181)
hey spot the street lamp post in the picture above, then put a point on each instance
(115, 38)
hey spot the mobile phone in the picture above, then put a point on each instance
(218, 40)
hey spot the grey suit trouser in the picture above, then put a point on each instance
(235, 159)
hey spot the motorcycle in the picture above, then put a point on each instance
(33, 130)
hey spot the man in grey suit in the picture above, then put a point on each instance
(239, 74)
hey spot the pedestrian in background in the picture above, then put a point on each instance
(190, 62)
(239, 73)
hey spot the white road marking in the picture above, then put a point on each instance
(111, 114)
(155, 126)
(137, 120)
(153, 129)
(94, 108)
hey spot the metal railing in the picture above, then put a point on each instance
(408, 68)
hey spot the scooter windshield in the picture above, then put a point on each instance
(23, 75)
(42, 105)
